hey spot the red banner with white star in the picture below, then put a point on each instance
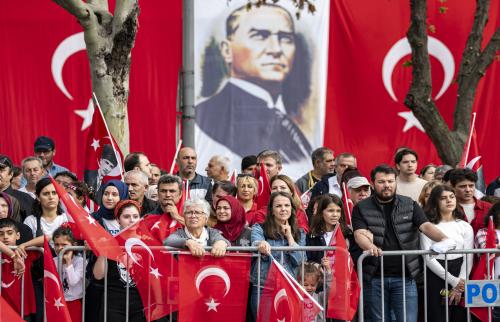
(213, 289)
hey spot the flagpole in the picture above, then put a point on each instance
(175, 156)
(469, 139)
(109, 135)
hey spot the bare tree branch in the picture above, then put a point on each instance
(77, 8)
(123, 10)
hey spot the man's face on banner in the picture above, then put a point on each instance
(106, 166)
(263, 45)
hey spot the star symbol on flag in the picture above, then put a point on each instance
(154, 271)
(95, 144)
(90, 219)
(86, 115)
(411, 121)
(212, 305)
(281, 320)
(156, 225)
(57, 303)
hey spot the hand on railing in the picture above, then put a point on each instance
(21, 251)
(19, 266)
(264, 248)
(195, 248)
(374, 250)
(219, 248)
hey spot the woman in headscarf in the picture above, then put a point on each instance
(231, 221)
(109, 195)
(9, 208)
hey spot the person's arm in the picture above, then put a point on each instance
(259, 240)
(74, 272)
(35, 242)
(176, 240)
(365, 243)
(218, 242)
(100, 268)
(429, 230)
(433, 264)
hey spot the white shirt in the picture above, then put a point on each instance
(72, 278)
(469, 211)
(259, 92)
(328, 237)
(461, 232)
(48, 228)
(32, 194)
(334, 186)
(111, 225)
(410, 189)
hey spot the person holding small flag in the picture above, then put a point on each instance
(279, 229)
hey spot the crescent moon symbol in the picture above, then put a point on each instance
(66, 48)
(48, 274)
(278, 298)
(131, 242)
(7, 285)
(213, 271)
(261, 180)
(472, 162)
(402, 48)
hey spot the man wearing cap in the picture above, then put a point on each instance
(45, 149)
(359, 189)
(25, 201)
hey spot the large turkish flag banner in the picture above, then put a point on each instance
(213, 289)
(45, 86)
(367, 80)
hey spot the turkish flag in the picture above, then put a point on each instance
(11, 285)
(480, 272)
(103, 158)
(279, 299)
(7, 313)
(348, 205)
(213, 289)
(99, 240)
(153, 270)
(264, 188)
(56, 309)
(161, 226)
(471, 158)
(344, 289)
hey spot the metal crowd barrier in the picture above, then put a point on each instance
(361, 311)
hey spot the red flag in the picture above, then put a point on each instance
(233, 177)
(471, 158)
(264, 191)
(348, 205)
(99, 240)
(481, 271)
(7, 313)
(154, 271)
(103, 158)
(279, 299)
(161, 226)
(213, 289)
(56, 309)
(344, 289)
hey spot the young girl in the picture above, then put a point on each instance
(311, 277)
(72, 272)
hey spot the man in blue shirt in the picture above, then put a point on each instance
(45, 149)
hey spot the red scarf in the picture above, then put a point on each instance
(232, 228)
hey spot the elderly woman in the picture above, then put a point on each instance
(196, 235)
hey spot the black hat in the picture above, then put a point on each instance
(248, 161)
(5, 161)
(44, 143)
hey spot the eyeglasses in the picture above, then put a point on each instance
(244, 175)
(195, 213)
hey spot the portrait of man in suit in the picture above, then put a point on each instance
(255, 101)
(107, 163)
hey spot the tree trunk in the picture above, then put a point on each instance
(109, 40)
(449, 143)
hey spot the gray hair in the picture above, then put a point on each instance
(143, 178)
(168, 179)
(200, 203)
(224, 161)
(29, 159)
(270, 154)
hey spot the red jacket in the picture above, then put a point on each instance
(481, 208)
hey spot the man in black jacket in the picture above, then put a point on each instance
(25, 201)
(390, 222)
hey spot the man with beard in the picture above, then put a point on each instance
(394, 221)
(199, 186)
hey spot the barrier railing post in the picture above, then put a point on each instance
(404, 286)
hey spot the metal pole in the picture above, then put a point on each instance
(187, 84)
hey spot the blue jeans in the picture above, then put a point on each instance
(393, 299)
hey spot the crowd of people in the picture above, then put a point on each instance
(396, 209)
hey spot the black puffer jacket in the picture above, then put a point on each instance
(406, 232)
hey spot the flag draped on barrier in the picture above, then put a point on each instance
(7, 313)
(213, 289)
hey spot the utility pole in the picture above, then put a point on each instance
(187, 80)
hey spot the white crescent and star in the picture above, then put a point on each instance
(402, 48)
(47, 274)
(131, 242)
(472, 162)
(7, 285)
(213, 271)
(280, 296)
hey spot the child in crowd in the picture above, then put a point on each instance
(311, 278)
(11, 282)
(72, 272)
